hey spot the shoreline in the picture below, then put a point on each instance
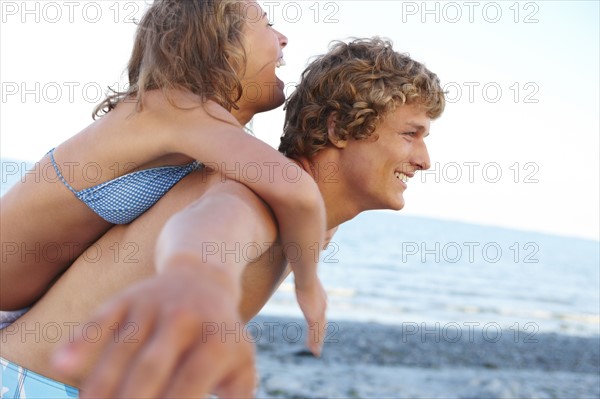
(364, 360)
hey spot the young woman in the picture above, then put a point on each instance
(191, 64)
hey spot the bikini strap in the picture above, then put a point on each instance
(51, 152)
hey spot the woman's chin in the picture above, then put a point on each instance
(278, 90)
(273, 96)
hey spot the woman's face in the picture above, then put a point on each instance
(262, 89)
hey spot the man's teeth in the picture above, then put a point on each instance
(280, 63)
(401, 176)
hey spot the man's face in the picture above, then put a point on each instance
(376, 169)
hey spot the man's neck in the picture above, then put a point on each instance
(338, 204)
(323, 169)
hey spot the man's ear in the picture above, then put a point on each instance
(331, 132)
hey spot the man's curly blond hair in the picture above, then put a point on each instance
(359, 83)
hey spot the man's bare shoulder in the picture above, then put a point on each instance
(219, 185)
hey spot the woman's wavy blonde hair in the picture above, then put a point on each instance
(194, 45)
(359, 82)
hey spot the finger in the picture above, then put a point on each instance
(322, 328)
(316, 319)
(315, 337)
(212, 363)
(313, 305)
(242, 382)
(157, 362)
(113, 366)
(71, 357)
(199, 371)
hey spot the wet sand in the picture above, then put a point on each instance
(368, 360)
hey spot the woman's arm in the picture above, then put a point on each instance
(291, 193)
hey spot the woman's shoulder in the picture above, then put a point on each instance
(176, 109)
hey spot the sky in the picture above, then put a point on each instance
(517, 146)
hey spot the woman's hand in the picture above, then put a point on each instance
(313, 303)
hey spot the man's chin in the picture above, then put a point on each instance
(398, 205)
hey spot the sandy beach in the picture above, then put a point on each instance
(367, 360)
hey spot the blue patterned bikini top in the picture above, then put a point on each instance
(121, 200)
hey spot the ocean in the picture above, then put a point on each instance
(447, 277)
(396, 269)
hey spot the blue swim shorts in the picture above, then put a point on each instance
(18, 382)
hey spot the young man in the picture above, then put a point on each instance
(356, 124)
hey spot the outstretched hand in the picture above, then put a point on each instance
(164, 337)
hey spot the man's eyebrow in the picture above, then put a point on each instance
(418, 126)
